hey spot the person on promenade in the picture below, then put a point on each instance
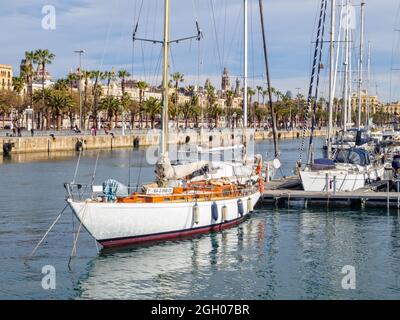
(19, 131)
(32, 132)
(93, 131)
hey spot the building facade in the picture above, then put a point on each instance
(6, 75)
(392, 108)
(367, 101)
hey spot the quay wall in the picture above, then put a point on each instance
(69, 143)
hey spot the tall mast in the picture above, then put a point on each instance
(368, 84)
(245, 66)
(360, 68)
(271, 106)
(164, 134)
(350, 75)
(331, 77)
(346, 71)
(338, 50)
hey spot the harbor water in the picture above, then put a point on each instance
(279, 253)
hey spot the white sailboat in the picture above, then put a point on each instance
(184, 200)
(350, 168)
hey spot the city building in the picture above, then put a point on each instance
(6, 75)
(392, 108)
(371, 101)
(38, 76)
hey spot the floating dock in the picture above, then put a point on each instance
(285, 192)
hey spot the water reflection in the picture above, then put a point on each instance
(286, 253)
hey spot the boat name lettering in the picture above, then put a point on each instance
(160, 191)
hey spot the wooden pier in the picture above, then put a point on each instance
(284, 193)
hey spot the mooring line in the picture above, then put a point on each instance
(47, 232)
(73, 252)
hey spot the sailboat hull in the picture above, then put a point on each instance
(121, 224)
(337, 180)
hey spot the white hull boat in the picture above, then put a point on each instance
(116, 224)
(339, 179)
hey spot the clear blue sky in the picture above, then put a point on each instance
(103, 28)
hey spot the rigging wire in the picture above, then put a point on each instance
(216, 34)
(314, 67)
(224, 32)
(395, 41)
(234, 34)
(313, 122)
(154, 61)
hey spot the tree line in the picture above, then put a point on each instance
(53, 103)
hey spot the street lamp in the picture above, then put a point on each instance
(29, 118)
(80, 52)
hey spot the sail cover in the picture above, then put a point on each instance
(165, 170)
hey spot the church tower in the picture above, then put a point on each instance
(225, 84)
(237, 88)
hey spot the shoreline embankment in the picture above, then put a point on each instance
(55, 143)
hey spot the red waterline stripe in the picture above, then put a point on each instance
(170, 235)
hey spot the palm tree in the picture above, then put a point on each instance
(112, 106)
(186, 111)
(174, 113)
(27, 72)
(259, 92)
(239, 115)
(229, 102)
(62, 84)
(60, 100)
(43, 58)
(129, 105)
(196, 114)
(152, 107)
(211, 98)
(190, 90)
(72, 78)
(123, 74)
(97, 76)
(44, 108)
(18, 84)
(264, 94)
(250, 94)
(142, 86)
(215, 112)
(260, 114)
(109, 76)
(178, 78)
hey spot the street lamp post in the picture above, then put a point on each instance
(29, 118)
(80, 52)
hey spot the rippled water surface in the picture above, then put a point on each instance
(286, 253)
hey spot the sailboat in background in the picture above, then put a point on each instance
(346, 169)
(184, 200)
